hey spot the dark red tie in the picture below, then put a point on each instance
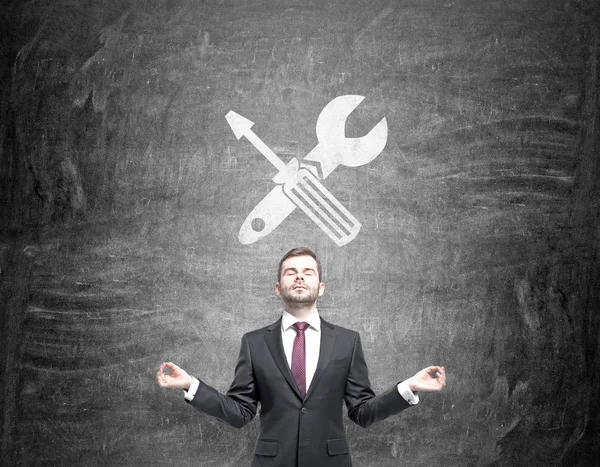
(299, 357)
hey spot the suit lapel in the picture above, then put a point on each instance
(327, 344)
(275, 344)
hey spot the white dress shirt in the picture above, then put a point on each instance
(312, 340)
(313, 347)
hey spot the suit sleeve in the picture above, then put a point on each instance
(238, 406)
(364, 407)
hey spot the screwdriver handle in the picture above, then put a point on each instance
(309, 194)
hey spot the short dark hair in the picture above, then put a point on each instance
(301, 251)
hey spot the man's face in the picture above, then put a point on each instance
(299, 280)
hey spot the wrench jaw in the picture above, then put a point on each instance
(331, 123)
(334, 148)
(355, 152)
(349, 152)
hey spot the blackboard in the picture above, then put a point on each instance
(124, 190)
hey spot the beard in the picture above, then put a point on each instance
(289, 296)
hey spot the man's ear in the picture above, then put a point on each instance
(277, 289)
(321, 289)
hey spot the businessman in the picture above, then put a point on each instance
(301, 369)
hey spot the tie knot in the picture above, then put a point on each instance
(301, 326)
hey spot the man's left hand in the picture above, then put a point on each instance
(429, 379)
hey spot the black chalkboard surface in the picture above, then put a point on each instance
(124, 190)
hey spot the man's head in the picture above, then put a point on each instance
(301, 251)
(299, 277)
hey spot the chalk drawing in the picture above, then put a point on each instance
(298, 184)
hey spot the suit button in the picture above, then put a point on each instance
(304, 442)
(304, 410)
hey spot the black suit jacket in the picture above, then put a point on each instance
(296, 431)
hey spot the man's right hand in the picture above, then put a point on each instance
(175, 377)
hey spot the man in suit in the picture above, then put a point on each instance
(301, 368)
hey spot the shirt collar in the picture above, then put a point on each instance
(287, 320)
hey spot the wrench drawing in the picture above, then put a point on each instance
(333, 149)
(302, 187)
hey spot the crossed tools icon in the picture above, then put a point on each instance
(298, 184)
